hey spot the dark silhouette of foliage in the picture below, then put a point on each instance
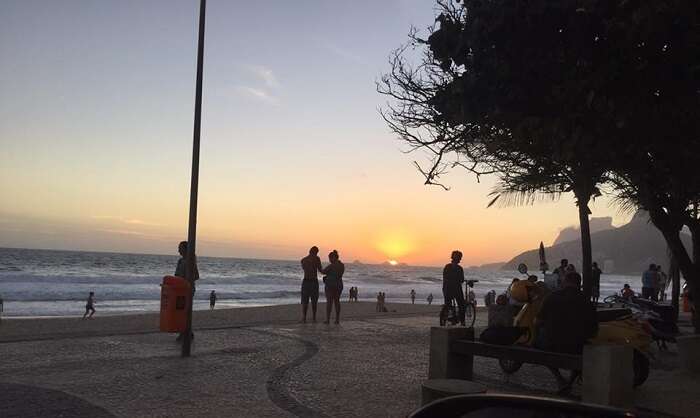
(557, 97)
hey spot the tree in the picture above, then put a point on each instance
(659, 113)
(515, 88)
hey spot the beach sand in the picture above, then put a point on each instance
(27, 329)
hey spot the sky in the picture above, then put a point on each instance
(96, 114)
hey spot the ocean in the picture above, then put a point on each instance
(35, 283)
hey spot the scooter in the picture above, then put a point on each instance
(658, 317)
(630, 330)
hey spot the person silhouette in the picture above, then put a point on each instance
(452, 279)
(212, 299)
(311, 264)
(180, 271)
(333, 281)
(90, 306)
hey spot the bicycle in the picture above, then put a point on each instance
(450, 312)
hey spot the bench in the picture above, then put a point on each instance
(607, 369)
(469, 349)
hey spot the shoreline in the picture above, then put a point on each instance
(222, 307)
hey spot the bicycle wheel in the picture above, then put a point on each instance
(469, 315)
(610, 299)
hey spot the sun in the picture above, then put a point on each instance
(393, 262)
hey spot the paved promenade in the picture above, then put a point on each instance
(370, 365)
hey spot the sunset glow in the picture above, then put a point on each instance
(282, 168)
(393, 262)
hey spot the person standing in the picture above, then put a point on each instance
(413, 296)
(561, 271)
(180, 271)
(595, 282)
(649, 283)
(452, 279)
(2, 307)
(311, 264)
(90, 306)
(430, 299)
(662, 284)
(333, 281)
(212, 299)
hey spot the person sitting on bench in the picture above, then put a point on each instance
(564, 324)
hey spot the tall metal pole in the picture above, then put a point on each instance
(194, 185)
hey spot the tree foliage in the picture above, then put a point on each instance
(555, 97)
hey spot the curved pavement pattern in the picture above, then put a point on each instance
(32, 401)
(277, 384)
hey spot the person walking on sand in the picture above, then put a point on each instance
(430, 299)
(311, 264)
(452, 279)
(413, 296)
(333, 281)
(212, 299)
(180, 271)
(90, 306)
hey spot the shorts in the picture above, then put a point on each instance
(309, 290)
(89, 308)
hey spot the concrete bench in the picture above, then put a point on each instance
(606, 369)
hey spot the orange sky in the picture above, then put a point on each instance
(96, 131)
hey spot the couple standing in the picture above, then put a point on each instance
(333, 280)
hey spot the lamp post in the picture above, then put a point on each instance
(194, 184)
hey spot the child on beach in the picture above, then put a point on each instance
(90, 306)
(430, 299)
(212, 299)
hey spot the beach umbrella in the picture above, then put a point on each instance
(543, 260)
(194, 183)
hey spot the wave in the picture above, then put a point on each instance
(16, 276)
(102, 298)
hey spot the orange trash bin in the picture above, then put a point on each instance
(175, 298)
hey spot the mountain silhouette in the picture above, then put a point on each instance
(628, 249)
